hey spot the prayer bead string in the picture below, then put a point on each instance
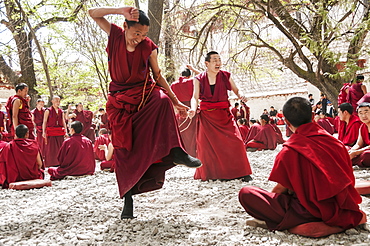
(187, 125)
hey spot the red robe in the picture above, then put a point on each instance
(234, 112)
(86, 117)
(355, 93)
(365, 98)
(24, 115)
(267, 136)
(218, 138)
(310, 160)
(279, 135)
(363, 160)
(141, 161)
(101, 140)
(342, 97)
(324, 123)
(183, 89)
(244, 130)
(38, 116)
(71, 161)
(245, 115)
(348, 134)
(253, 131)
(104, 121)
(18, 161)
(2, 117)
(2, 175)
(55, 133)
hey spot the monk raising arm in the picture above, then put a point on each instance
(163, 83)
(130, 13)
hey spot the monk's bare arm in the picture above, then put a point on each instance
(279, 189)
(65, 125)
(357, 149)
(97, 14)
(39, 161)
(45, 121)
(16, 105)
(153, 62)
(109, 153)
(235, 89)
(364, 90)
(195, 99)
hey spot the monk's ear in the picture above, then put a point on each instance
(125, 26)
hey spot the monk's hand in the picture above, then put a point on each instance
(353, 153)
(191, 113)
(130, 13)
(181, 108)
(243, 98)
(103, 147)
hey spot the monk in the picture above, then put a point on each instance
(245, 111)
(54, 130)
(108, 162)
(279, 134)
(356, 91)
(104, 121)
(360, 152)
(20, 159)
(266, 138)
(218, 137)
(145, 133)
(75, 157)
(349, 125)
(38, 119)
(243, 128)
(254, 129)
(183, 89)
(235, 111)
(2, 145)
(19, 112)
(86, 118)
(324, 123)
(103, 139)
(310, 160)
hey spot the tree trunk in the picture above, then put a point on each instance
(155, 13)
(168, 49)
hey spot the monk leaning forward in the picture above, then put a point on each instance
(315, 181)
(145, 134)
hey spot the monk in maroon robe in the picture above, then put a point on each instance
(356, 91)
(19, 112)
(243, 128)
(349, 125)
(235, 111)
(279, 134)
(324, 123)
(103, 119)
(54, 131)
(20, 159)
(310, 160)
(218, 138)
(71, 161)
(85, 117)
(103, 139)
(38, 118)
(2, 145)
(145, 133)
(266, 138)
(254, 129)
(183, 89)
(108, 162)
(245, 111)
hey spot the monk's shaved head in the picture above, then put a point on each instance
(103, 131)
(346, 107)
(77, 126)
(298, 111)
(21, 131)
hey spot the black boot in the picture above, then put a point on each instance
(181, 158)
(128, 207)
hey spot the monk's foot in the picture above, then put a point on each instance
(256, 223)
(181, 158)
(128, 207)
(247, 178)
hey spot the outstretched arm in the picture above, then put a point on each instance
(130, 13)
(236, 90)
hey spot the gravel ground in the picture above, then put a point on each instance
(86, 210)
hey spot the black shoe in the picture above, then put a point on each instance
(128, 208)
(181, 158)
(247, 178)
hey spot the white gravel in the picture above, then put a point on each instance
(86, 210)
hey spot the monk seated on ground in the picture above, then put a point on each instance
(20, 159)
(266, 138)
(108, 151)
(254, 128)
(321, 120)
(103, 139)
(243, 128)
(302, 168)
(76, 156)
(360, 152)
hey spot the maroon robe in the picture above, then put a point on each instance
(244, 130)
(71, 161)
(245, 115)
(218, 137)
(324, 123)
(234, 112)
(253, 131)
(24, 115)
(183, 89)
(86, 117)
(342, 97)
(2, 117)
(279, 135)
(288, 132)
(38, 116)
(141, 161)
(365, 98)
(348, 134)
(310, 160)
(355, 93)
(18, 161)
(266, 136)
(55, 133)
(363, 160)
(104, 121)
(2, 175)
(101, 140)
